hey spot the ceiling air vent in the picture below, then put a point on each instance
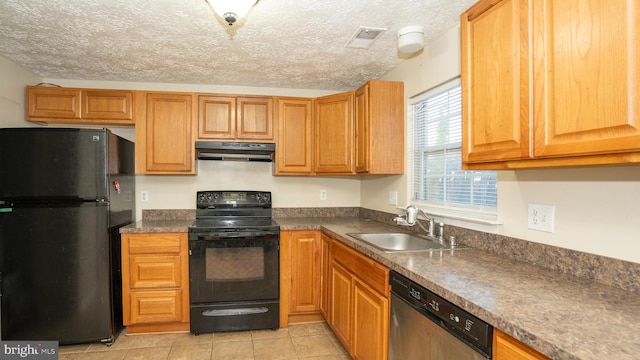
(364, 37)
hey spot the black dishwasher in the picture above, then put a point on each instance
(424, 326)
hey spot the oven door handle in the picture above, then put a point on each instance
(235, 312)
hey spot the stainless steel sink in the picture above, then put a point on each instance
(397, 242)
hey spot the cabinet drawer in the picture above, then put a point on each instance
(155, 271)
(156, 243)
(156, 306)
(370, 271)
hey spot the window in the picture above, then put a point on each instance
(436, 135)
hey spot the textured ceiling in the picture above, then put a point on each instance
(281, 43)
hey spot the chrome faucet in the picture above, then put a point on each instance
(411, 218)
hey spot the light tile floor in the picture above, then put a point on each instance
(302, 341)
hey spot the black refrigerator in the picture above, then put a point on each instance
(64, 194)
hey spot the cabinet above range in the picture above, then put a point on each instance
(242, 118)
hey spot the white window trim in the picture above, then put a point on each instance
(477, 216)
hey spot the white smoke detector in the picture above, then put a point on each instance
(410, 39)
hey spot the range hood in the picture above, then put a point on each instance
(236, 151)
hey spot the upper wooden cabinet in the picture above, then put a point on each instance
(165, 133)
(70, 105)
(495, 82)
(379, 128)
(550, 84)
(350, 133)
(294, 141)
(245, 118)
(334, 140)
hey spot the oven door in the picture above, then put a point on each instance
(232, 269)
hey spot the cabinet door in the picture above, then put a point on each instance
(586, 77)
(334, 134)
(164, 133)
(370, 322)
(294, 142)
(383, 128)
(495, 81)
(325, 271)
(361, 116)
(159, 306)
(216, 117)
(341, 303)
(507, 348)
(255, 118)
(53, 103)
(305, 271)
(109, 105)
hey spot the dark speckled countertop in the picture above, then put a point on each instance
(560, 315)
(147, 226)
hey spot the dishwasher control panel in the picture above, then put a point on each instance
(444, 313)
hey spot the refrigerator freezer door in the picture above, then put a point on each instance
(64, 164)
(56, 273)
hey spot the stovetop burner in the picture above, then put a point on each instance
(233, 212)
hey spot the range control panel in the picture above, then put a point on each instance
(233, 199)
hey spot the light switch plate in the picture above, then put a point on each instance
(393, 198)
(541, 217)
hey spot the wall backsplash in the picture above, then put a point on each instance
(316, 212)
(610, 271)
(615, 272)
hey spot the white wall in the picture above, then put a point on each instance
(597, 208)
(179, 192)
(12, 101)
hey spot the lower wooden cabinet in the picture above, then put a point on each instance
(155, 282)
(299, 277)
(359, 303)
(507, 348)
(325, 266)
(305, 272)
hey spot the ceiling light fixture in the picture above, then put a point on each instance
(232, 10)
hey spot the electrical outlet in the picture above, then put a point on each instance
(144, 195)
(323, 194)
(541, 217)
(393, 198)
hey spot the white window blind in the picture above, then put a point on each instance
(437, 138)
